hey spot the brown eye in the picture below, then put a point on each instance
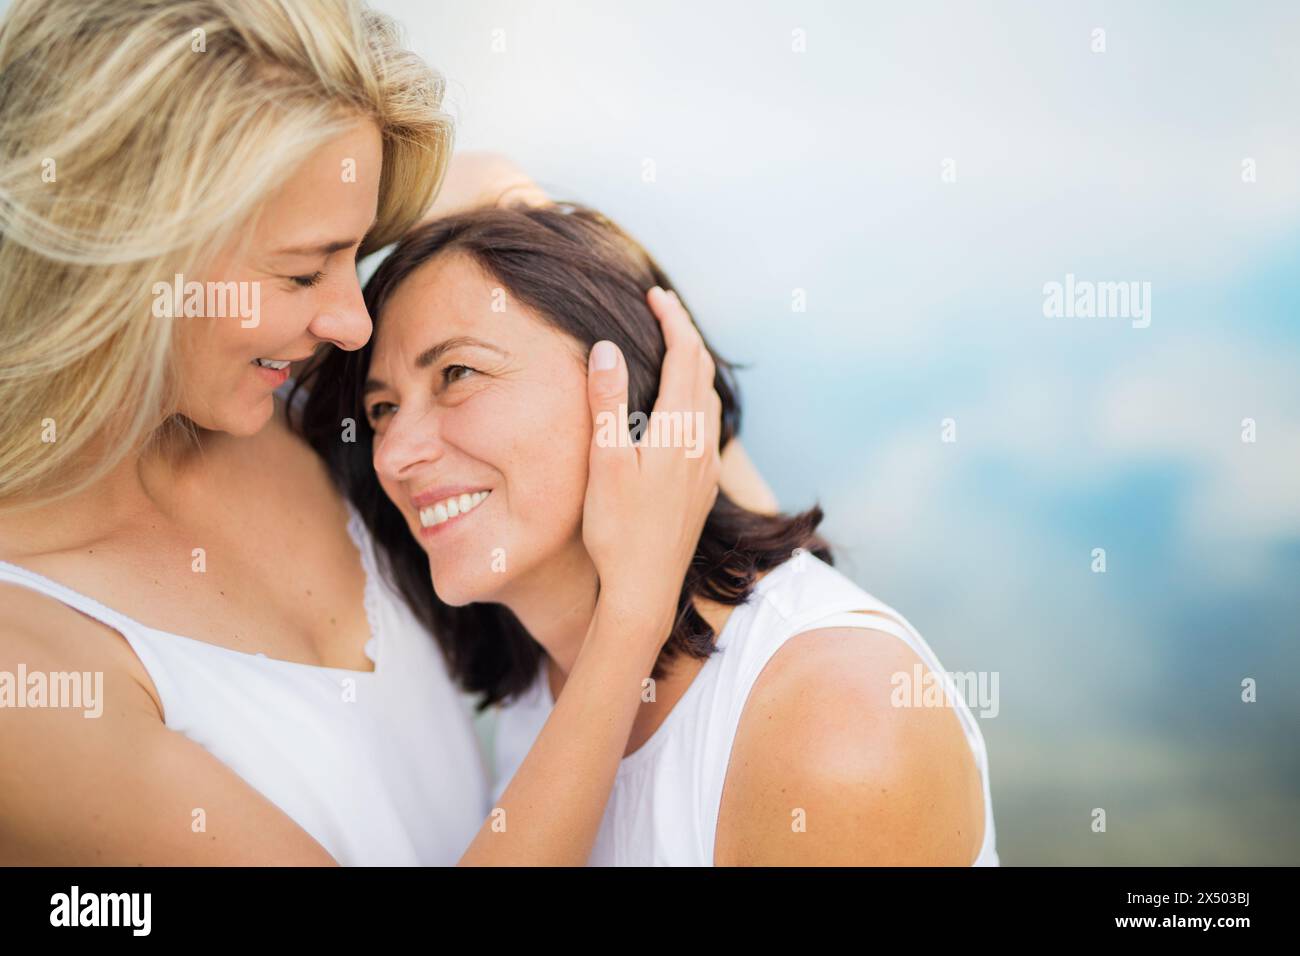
(378, 410)
(452, 373)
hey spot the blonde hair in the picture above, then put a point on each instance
(137, 137)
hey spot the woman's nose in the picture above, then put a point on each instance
(406, 445)
(344, 320)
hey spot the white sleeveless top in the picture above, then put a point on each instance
(663, 810)
(381, 767)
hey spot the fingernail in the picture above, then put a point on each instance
(656, 291)
(603, 356)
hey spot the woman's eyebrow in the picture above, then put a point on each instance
(327, 248)
(432, 354)
(319, 249)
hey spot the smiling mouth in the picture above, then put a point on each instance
(271, 364)
(453, 507)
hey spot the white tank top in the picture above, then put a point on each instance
(381, 767)
(663, 810)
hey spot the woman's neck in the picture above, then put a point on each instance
(557, 603)
(143, 486)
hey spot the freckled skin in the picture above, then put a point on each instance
(221, 391)
(877, 785)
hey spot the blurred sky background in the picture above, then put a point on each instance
(821, 170)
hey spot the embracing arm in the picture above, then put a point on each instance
(825, 771)
(644, 511)
(551, 811)
(477, 178)
(120, 788)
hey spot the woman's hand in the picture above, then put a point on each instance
(646, 506)
(643, 516)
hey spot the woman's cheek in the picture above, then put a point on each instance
(548, 456)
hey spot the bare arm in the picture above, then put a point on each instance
(644, 511)
(476, 178)
(122, 788)
(743, 483)
(118, 789)
(551, 811)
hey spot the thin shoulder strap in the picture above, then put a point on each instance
(132, 630)
(824, 601)
(66, 595)
(876, 618)
(889, 621)
(837, 602)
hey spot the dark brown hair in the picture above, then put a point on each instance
(584, 276)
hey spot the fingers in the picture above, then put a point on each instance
(673, 318)
(686, 351)
(659, 493)
(678, 380)
(607, 397)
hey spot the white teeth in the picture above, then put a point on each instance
(451, 508)
(270, 363)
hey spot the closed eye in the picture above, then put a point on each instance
(308, 281)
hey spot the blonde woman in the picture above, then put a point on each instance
(200, 660)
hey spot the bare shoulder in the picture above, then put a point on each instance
(90, 774)
(826, 770)
(66, 687)
(40, 635)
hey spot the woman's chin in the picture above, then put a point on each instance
(253, 420)
(456, 591)
(240, 419)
